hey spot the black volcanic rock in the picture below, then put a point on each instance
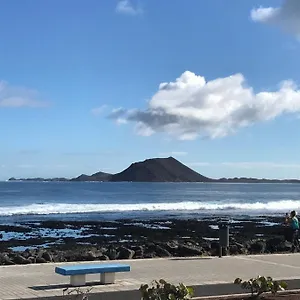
(159, 170)
(99, 176)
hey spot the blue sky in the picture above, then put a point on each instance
(95, 86)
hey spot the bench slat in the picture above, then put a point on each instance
(91, 269)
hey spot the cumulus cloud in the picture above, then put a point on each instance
(192, 107)
(13, 96)
(127, 8)
(287, 17)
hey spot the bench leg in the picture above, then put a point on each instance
(107, 278)
(77, 280)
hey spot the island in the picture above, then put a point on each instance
(157, 170)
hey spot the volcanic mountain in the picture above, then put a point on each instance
(159, 170)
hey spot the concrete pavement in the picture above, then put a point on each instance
(209, 276)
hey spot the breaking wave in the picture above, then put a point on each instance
(65, 208)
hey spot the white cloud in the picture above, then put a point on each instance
(173, 153)
(98, 110)
(199, 164)
(15, 97)
(127, 8)
(287, 17)
(191, 107)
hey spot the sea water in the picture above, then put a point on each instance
(22, 201)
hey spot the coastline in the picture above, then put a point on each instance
(62, 241)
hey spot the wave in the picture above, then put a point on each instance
(65, 208)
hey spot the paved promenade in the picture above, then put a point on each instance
(208, 275)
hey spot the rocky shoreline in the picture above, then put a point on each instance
(53, 241)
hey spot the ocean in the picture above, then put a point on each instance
(23, 201)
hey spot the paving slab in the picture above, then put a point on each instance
(209, 276)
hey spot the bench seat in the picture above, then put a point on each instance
(78, 272)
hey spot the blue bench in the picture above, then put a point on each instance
(78, 272)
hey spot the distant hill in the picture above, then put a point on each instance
(255, 180)
(38, 179)
(159, 170)
(99, 176)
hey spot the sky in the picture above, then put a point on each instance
(94, 86)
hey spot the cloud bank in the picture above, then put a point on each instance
(127, 8)
(15, 97)
(192, 107)
(286, 17)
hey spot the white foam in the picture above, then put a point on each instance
(65, 208)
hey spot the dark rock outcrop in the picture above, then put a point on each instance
(257, 247)
(19, 259)
(125, 253)
(5, 259)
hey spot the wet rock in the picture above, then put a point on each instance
(216, 251)
(257, 247)
(47, 256)
(214, 245)
(239, 245)
(162, 252)
(234, 250)
(183, 237)
(112, 253)
(139, 252)
(274, 244)
(185, 250)
(59, 257)
(125, 253)
(285, 246)
(206, 246)
(237, 248)
(31, 259)
(92, 255)
(19, 259)
(154, 250)
(5, 260)
(171, 247)
(40, 260)
(149, 255)
(103, 257)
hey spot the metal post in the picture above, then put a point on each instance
(223, 238)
